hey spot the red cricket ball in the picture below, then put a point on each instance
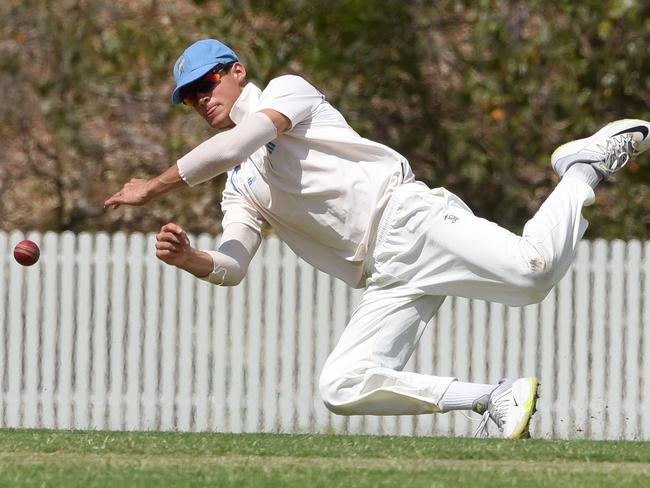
(27, 253)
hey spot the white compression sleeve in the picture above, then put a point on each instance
(238, 246)
(226, 149)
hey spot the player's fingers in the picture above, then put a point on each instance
(111, 202)
(169, 237)
(164, 255)
(178, 231)
(111, 205)
(172, 227)
(167, 252)
(116, 199)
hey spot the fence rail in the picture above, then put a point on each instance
(101, 335)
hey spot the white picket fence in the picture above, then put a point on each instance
(101, 335)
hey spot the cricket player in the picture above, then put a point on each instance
(352, 208)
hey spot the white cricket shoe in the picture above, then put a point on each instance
(608, 150)
(510, 405)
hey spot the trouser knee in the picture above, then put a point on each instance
(536, 283)
(336, 389)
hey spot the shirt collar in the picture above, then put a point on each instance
(246, 103)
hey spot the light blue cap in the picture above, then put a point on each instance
(197, 60)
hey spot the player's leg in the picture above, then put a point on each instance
(510, 405)
(433, 241)
(363, 375)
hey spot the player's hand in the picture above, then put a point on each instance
(135, 192)
(173, 245)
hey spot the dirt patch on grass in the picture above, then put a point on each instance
(273, 462)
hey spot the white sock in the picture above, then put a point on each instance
(584, 172)
(461, 395)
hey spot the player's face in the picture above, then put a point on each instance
(215, 94)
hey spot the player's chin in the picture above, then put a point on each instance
(220, 122)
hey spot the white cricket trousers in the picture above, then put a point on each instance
(430, 245)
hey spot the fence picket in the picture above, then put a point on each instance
(547, 404)
(50, 263)
(202, 365)
(32, 341)
(254, 334)
(135, 261)
(5, 249)
(15, 340)
(631, 398)
(271, 330)
(236, 377)
(152, 333)
(287, 399)
(100, 321)
(186, 329)
(220, 359)
(599, 360)
(66, 332)
(615, 339)
(645, 330)
(564, 325)
(82, 335)
(305, 354)
(579, 384)
(168, 349)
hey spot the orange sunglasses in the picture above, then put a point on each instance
(202, 85)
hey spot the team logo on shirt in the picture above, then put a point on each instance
(271, 147)
(451, 217)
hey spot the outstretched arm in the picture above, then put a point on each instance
(227, 266)
(139, 191)
(209, 159)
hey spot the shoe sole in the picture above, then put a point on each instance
(528, 408)
(578, 145)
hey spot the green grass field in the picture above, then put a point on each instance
(120, 459)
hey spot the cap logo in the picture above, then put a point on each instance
(181, 65)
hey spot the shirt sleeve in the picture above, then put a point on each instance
(292, 96)
(236, 208)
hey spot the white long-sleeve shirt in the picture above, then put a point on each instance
(320, 185)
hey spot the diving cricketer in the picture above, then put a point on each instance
(352, 208)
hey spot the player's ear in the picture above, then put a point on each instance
(238, 71)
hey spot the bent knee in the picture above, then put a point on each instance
(337, 390)
(536, 283)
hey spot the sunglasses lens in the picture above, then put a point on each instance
(212, 77)
(189, 99)
(202, 85)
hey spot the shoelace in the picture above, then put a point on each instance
(496, 410)
(618, 152)
(482, 430)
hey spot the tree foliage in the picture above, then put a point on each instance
(475, 94)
